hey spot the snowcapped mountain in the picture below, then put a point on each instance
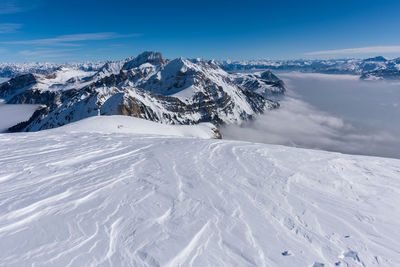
(10, 70)
(178, 91)
(103, 192)
(370, 68)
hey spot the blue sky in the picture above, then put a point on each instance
(60, 31)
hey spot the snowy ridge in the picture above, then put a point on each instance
(121, 199)
(130, 125)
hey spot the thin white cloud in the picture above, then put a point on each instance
(17, 6)
(8, 7)
(9, 27)
(45, 52)
(69, 40)
(359, 50)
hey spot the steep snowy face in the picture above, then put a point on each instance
(85, 196)
(109, 68)
(178, 91)
(182, 91)
(266, 83)
(64, 78)
(175, 77)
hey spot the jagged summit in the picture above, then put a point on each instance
(268, 75)
(154, 58)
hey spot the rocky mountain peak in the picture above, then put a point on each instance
(154, 58)
(268, 75)
(61, 67)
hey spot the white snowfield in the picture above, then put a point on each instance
(109, 198)
(132, 125)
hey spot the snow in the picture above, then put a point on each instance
(186, 94)
(64, 79)
(339, 66)
(44, 67)
(10, 114)
(74, 196)
(126, 124)
(3, 80)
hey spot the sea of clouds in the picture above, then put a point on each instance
(331, 112)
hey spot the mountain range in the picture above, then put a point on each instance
(178, 91)
(369, 69)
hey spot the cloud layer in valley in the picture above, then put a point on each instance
(330, 112)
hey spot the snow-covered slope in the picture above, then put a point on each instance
(126, 124)
(120, 199)
(2, 80)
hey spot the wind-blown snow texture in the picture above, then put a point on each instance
(103, 199)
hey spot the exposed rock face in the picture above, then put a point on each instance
(153, 58)
(10, 87)
(265, 84)
(178, 91)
